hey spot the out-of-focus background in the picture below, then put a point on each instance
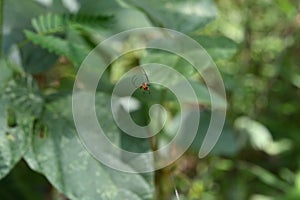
(256, 47)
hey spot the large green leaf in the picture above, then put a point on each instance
(169, 59)
(184, 16)
(17, 16)
(227, 143)
(218, 47)
(12, 140)
(184, 68)
(61, 157)
(20, 104)
(204, 95)
(36, 59)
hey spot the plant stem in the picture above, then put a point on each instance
(162, 177)
(163, 183)
(1, 24)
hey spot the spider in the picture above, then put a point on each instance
(145, 86)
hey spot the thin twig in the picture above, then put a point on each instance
(175, 189)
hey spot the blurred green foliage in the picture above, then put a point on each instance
(255, 45)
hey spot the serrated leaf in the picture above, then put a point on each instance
(61, 157)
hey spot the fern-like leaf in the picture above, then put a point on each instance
(58, 23)
(91, 20)
(74, 52)
(48, 24)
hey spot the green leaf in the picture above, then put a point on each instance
(227, 143)
(13, 141)
(22, 95)
(184, 68)
(225, 146)
(5, 75)
(202, 93)
(20, 104)
(75, 52)
(17, 15)
(265, 176)
(218, 47)
(184, 16)
(62, 158)
(47, 24)
(103, 7)
(36, 59)
(168, 59)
